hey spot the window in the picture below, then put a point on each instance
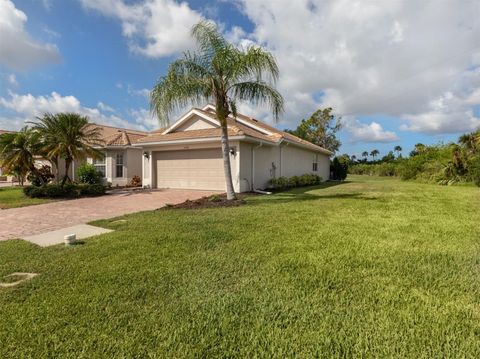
(119, 165)
(99, 164)
(315, 163)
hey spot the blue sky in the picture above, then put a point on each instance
(398, 74)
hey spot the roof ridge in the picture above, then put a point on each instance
(118, 128)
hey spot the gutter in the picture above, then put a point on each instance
(193, 140)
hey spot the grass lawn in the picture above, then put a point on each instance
(369, 268)
(12, 197)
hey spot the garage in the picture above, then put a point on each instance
(190, 169)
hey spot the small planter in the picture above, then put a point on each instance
(70, 239)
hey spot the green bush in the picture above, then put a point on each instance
(67, 191)
(474, 170)
(339, 167)
(40, 176)
(87, 173)
(282, 183)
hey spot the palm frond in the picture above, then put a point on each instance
(259, 92)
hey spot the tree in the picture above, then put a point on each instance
(365, 155)
(374, 153)
(320, 129)
(398, 150)
(353, 158)
(389, 157)
(74, 138)
(220, 73)
(17, 152)
(48, 127)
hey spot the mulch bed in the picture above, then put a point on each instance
(214, 201)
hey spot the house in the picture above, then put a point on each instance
(188, 154)
(122, 161)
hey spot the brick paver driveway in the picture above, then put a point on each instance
(25, 221)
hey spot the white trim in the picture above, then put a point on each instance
(186, 117)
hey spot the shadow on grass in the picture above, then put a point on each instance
(305, 194)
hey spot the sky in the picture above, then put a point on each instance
(397, 72)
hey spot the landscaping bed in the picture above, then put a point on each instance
(213, 201)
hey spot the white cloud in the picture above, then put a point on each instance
(27, 107)
(446, 114)
(362, 132)
(12, 80)
(155, 28)
(104, 107)
(18, 50)
(370, 57)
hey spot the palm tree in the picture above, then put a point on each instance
(365, 155)
(353, 158)
(374, 153)
(17, 152)
(75, 138)
(48, 129)
(398, 149)
(219, 73)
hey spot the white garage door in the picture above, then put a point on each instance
(192, 169)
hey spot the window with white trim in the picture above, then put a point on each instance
(315, 163)
(119, 165)
(99, 164)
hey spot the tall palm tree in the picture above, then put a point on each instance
(398, 149)
(17, 152)
(365, 155)
(75, 138)
(220, 73)
(374, 153)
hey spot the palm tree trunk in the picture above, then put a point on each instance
(57, 170)
(226, 163)
(67, 168)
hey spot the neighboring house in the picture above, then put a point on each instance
(122, 161)
(188, 154)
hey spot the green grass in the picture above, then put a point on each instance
(369, 268)
(12, 197)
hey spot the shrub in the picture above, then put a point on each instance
(474, 170)
(136, 181)
(67, 191)
(214, 198)
(87, 173)
(40, 176)
(282, 183)
(339, 167)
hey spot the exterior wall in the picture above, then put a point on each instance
(297, 161)
(194, 124)
(275, 161)
(132, 165)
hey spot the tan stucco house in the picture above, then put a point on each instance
(188, 154)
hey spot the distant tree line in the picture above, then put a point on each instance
(443, 163)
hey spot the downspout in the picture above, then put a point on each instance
(253, 164)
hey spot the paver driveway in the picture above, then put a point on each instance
(19, 222)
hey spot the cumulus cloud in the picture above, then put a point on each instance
(18, 50)
(362, 132)
(155, 28)
(27, 107)
(371, 57)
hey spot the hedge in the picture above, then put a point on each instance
(67, 191)
(282, 183)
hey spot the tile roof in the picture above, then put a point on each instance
(235, 128)
(116, 136)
